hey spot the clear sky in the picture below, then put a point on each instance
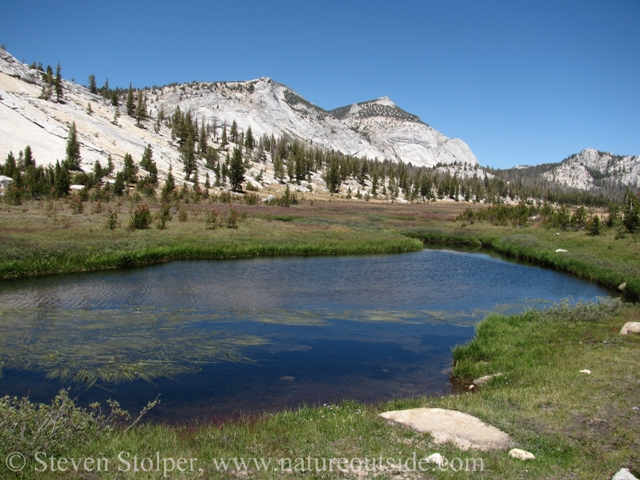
(522, 82)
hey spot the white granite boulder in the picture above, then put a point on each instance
(463, 430)
(630, 327)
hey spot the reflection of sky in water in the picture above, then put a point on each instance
(314, 329)
(426, 280)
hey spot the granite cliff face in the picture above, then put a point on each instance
(402, 136)
(591, 168)
(376, 129)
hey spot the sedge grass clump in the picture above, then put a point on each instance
(582, 311)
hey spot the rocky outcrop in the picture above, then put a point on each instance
(591, 168)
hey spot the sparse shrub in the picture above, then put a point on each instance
(288, 198)
(579, 218)
(211, 219)
(225, 197)
(141, 218)
(163, 216)
(182, 215)
(594, 226)
(231, 218)
(112, 219)
(96, 207)
(65, 222)
(76, 205)
(251, 199)
(29, 428)
(13, 195)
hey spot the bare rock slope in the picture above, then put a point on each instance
(376, 129)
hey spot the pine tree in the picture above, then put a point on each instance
(58, 85)
(141, 109)
(47, 84)
(211, 158)
(224, 141)
(10, 165)
(149, 165)
(202, 141)
(106, 92)
(236, 170)
(631, 213)
(131, 104)
(28, 160)
(234, 132)
(129, 169)
(188, 153)
(92, 84)
(72, 162)
(249, 141)
(169, 187)
(118, 186)
(62, 181)
(98, 172)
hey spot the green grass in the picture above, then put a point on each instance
(33, 243)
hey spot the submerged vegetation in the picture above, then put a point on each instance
(113, 346)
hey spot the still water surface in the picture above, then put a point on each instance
(215, 338)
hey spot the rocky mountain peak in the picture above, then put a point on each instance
(382, 107)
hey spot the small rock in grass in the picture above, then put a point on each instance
(588, 372)
(624, 474)
(438, 459)
(630, 327)
(520, 454)
(622, 287)
(482, 381)
(561, 250)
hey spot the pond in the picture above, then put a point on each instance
(218, 338)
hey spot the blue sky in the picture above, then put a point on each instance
(522, 82)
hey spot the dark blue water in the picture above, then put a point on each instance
(217, 338)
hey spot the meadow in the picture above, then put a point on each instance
(577, 425)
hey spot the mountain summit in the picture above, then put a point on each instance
(373, 129)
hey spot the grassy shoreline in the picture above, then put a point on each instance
(577, 425)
